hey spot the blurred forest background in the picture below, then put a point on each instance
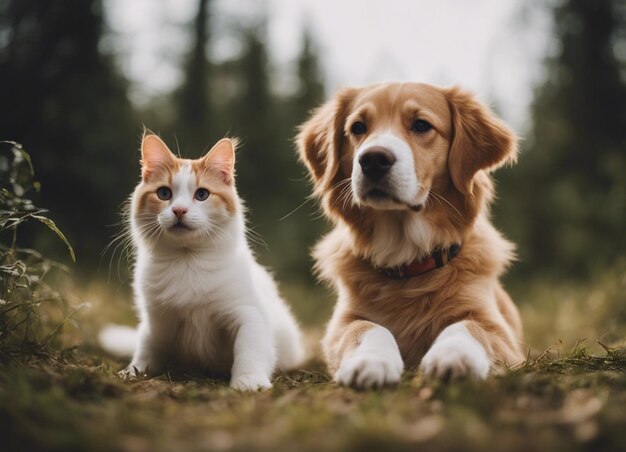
(69, 92)
(65, 98)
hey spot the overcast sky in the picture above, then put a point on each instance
(493, 47)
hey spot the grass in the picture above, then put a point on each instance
(568, 397)
(75, 401)
(31, 309)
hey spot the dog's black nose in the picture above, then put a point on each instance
(375, 162)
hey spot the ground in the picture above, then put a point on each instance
(73, 402)
(571, 396)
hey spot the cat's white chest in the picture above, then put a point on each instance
(183, 281)
(189, 295)
(203, 341)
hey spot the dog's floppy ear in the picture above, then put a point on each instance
(320, 139)
(480, 141)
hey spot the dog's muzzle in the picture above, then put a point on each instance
(383, 173)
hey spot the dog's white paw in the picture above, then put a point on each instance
(250, 382)
(365, 371)
(456, 356)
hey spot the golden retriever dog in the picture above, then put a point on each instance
(402, 170)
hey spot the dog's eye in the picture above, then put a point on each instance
(421, 126)
(164, 193)
(358, 128)
(201, 194)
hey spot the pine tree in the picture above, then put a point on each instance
(254, 120)
(566, 202)
(269, 178)
(310, 82)
(303, 226)
(193, 100)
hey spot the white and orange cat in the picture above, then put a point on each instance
(202, 299)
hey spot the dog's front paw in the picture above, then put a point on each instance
(453, 359)
(365, 371)
(250, 382)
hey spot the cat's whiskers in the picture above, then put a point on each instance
(213, 231)
(122, 239)
(150, 231)
(255, 237)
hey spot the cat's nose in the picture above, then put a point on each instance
(179, 211)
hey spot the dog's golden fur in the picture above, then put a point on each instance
(452, 163)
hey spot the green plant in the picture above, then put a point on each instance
(32, 312)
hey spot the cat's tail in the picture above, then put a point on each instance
(118, 340)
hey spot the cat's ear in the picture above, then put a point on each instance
(221, 158)
(154, 154)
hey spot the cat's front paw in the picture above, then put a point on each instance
(250, 382)
(131, 373)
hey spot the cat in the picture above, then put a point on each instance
(202, 299)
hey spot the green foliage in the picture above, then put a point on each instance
(31, 310)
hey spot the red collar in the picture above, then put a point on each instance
(437, 259)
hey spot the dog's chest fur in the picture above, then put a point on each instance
(415, 310)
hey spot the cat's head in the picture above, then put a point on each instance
(180, 201)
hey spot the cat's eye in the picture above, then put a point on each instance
(201, 194)
(164, 193)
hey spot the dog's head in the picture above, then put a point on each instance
(404, 147)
